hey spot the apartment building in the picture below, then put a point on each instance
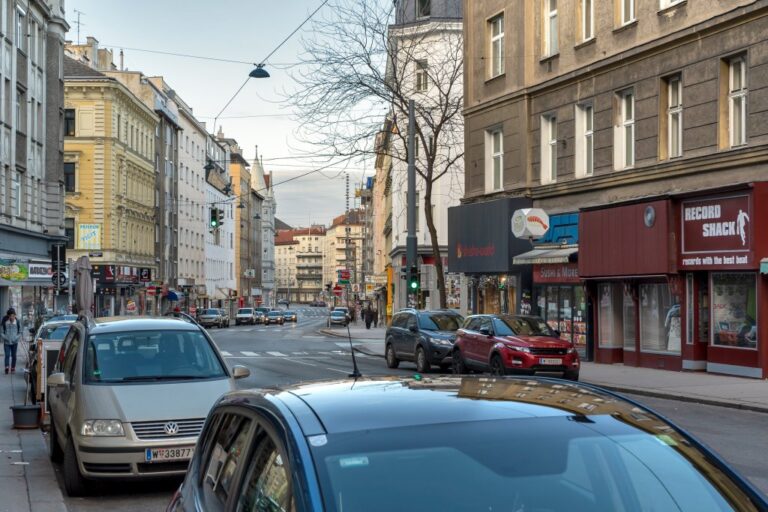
(344, 250)
(635, 132)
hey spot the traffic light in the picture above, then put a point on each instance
(220, 218)
(413, 280)
(214, 222)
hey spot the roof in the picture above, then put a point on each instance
(140, 323)
(279, 225)
(355, 217)
(75, 69)
(285, 237)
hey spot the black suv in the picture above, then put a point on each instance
(425, 337)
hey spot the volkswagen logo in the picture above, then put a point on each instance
(171, 428)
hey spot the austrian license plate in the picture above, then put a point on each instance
(168, 454)
(550, 360)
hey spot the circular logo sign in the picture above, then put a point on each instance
(518, 223)
(171, 428)
(649, 216)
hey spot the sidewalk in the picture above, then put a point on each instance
(27, 479)
(358, 332)
(699, 387)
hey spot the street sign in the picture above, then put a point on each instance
(337, 290)
(59, 279)
(95, 254)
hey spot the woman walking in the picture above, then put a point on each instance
(10, 333)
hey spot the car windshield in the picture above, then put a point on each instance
(337, 313)
(289, 313)
(245, 311)
(440, 321)
(54, 332)
(150, 356)
(521, 326)
(275, 313)
(63, 318)
(536, 464)
(210, 312)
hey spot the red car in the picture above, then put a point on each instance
(506, 344)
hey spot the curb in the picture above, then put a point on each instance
(368, 352)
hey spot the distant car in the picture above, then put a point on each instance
(210, 317)
(338, 317)
(224, 317)
(425, 337)
(261, 313)
(284, 302)
(321, 304)
(129, 398)
(245, 316)
(290, 316)
(345, 310)
(451, 444)
(506, 344)
(275, 317)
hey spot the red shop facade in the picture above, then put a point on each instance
(676, 282)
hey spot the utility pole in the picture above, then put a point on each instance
(71, 276)
(347, 240)
(410, 241)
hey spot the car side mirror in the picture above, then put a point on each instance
(413, 328)
(57, 379)
(238, 372)
(486, 332)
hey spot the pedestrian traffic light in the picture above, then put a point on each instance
(214, 222)
(220, 218)
(413, 280)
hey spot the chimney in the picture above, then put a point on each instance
(122, 60)
(94, 51)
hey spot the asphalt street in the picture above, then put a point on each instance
(292, 353)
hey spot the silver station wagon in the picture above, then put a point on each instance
(129, 397)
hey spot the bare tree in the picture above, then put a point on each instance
(357, 68)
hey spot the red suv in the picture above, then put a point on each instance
(504, 344)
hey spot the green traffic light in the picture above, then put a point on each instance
(414, 285)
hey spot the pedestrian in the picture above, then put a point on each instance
(10, 332)
(375, 318)
(368, 315)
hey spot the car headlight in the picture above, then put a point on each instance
(441, 341)
(572, 350)
(103, 428)
(519, 349)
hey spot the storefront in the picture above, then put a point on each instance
(481, 246)
(122, 291)
(724, 237)
(27, 286)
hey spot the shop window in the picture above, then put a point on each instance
(734, 310)
(703, 305)
(660, 326)
(629, 319)
(609, 315)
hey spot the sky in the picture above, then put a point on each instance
(241, 30)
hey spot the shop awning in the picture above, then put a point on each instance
(545, 256)
(764, 266)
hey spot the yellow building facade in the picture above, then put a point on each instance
(110, 187)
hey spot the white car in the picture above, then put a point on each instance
(246, 316)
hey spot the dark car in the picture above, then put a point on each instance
(290, 316)
(275, 317)
(499, 444)
(425, 337)
(504, 344)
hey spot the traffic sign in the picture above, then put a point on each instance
(337, 290)
(59, 279)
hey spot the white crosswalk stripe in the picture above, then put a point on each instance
(226, 354)
(249, 354)
(276, 354)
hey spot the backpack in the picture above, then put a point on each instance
(3, 322)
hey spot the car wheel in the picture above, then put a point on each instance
(55, 453)
(571, 375)
(422, 365)
(457, 363)
(392, 360)
(74, 483)
(497, 366)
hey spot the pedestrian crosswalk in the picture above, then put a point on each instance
(274, 354)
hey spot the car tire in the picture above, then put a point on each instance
(389, 354)
(457, 363)
(422, 364)
(74, 483)
(55, 453)
(497, 366)
(571, 375)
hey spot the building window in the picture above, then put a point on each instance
(69, 177)
(624, 133)
(609, 315)
(548, 149)
(496, 26)
(674, 117)
(587, 20)
(69, 232)
(737, 101)
(494, 167)
(627, 11)
(585, 140)
(550, 27)
(69, 122)
(660, 327)
(422, 78)
(16, 195)
(734, 310)
(423, 8)
(21, 40)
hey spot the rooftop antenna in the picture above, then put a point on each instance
(78, 23)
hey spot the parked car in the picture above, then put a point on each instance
(509, 444)
(290, 316)
(49, 331)
(246, 316)
(345, 310)
(425, 337)
(275, 317)
(210, 317)
(129, 398)
(338, 317)
(504, 344)
(62, 318)
(283, 302)
(225, 320)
